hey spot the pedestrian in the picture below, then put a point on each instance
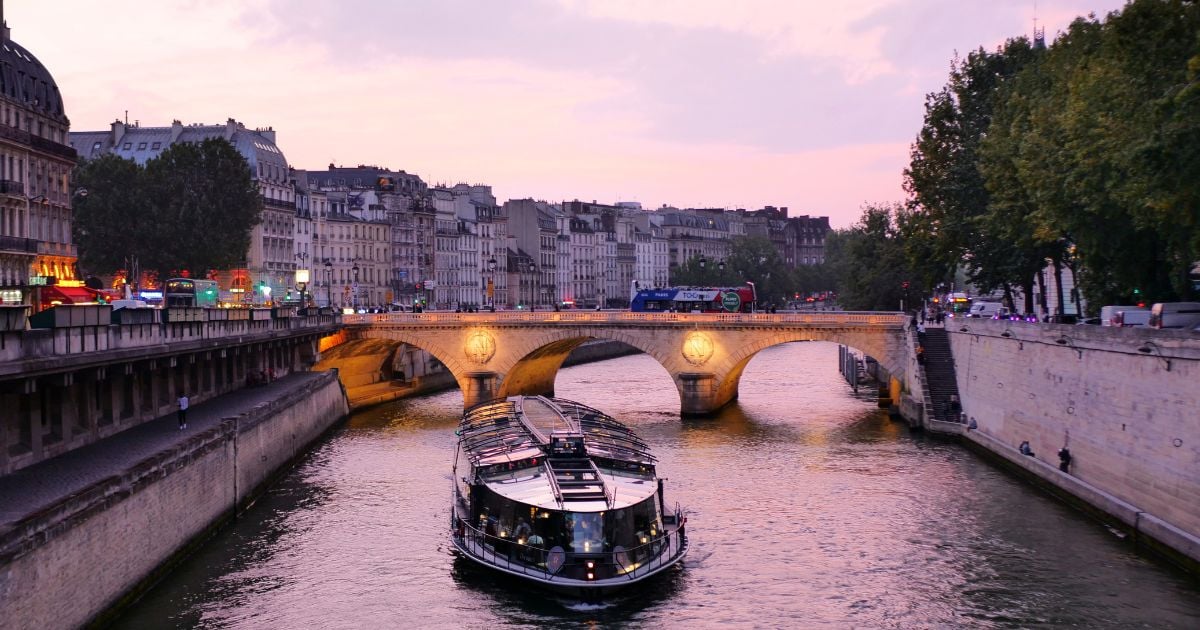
(1064, 459)
(181, 415)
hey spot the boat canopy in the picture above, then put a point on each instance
(551, 453)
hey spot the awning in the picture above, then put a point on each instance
(67, 295)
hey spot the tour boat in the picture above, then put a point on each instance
(562, 495)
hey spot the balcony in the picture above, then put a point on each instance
(278, 203)
(14, 134)
(9, 187)
(53, 148)
(16, 244)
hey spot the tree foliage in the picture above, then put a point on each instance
(1084, 155)
(869, 263)
(190, 209)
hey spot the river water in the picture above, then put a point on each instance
(808, 508)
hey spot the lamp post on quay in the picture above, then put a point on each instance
(328, 282)
(301, 285)
(532, 283)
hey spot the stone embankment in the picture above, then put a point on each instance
(84, 531)
(1122, 401)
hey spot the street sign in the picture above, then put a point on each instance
(431, 284)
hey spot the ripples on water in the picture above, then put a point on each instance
(808, 508)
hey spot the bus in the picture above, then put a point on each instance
(191, 292)
(958, 305)
(694, 299)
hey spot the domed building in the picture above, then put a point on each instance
(35, 178)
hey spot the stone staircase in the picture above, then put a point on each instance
(939, 374)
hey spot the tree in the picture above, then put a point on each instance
(869, 263)
(190, 209)
(109, 221)
(204, 204)
(946, 226)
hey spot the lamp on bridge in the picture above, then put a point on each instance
(703, 261)
(301, 285)
(491, 284)
(354, 296)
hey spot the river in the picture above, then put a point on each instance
(808, 508)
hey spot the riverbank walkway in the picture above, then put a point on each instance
(41, 486)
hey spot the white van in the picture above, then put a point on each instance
(984, 309)
(1174, 315)
(1107, 313)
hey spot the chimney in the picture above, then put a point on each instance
(230, 127)
(268, 133)
(176, 129)
(118, 132)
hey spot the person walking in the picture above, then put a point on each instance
(182, 413)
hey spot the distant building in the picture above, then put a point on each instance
(270, 266)
(35, 178)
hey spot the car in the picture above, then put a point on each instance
(1088, 321)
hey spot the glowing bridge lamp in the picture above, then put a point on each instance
(697, 348)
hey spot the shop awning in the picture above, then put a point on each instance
(67, 295)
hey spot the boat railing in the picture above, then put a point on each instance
(532, 560)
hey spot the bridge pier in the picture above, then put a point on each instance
(479, 387)
(699, 394)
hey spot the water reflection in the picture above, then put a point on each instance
(808, 508)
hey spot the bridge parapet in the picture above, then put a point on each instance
(575, 318)
(23, 351)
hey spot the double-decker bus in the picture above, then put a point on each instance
(191, 292)
(694, 299)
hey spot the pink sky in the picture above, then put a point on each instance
(798, 103)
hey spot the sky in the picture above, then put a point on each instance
(690, 103)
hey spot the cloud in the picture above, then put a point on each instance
(687, 102)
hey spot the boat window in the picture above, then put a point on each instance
(586, 531)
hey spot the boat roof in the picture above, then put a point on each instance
(556, 454)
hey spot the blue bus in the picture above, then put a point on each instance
(694, 299)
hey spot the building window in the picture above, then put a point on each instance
(141, 146)
(95, 146)
(127, 146)
(156, 146)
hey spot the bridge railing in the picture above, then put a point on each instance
(850, 318)
(21, 346)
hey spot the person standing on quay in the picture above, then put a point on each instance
(182, 413)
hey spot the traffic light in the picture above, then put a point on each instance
(904, 284)
(1138, 299)
(420, 286)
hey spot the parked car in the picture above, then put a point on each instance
(1174, 315)
(1108, 312)
(1088, 321)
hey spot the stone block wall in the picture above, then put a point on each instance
(1125, 401)
(69, 563)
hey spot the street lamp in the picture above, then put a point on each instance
(302, 284)
(354, 295)
(328, 282)
(703, 262)
(532, 281)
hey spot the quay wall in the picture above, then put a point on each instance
(1124, 401)
(69, 564)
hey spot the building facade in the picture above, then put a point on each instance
(36, 160)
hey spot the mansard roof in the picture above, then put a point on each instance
(25, 80)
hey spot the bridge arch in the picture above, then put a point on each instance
(520, 353)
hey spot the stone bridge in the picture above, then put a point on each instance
(502, 354)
